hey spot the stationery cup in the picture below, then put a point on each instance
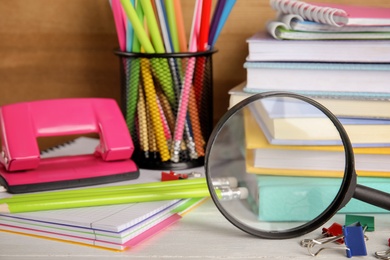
(167, 101)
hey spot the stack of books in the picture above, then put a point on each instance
(340, 59)
(337, 62)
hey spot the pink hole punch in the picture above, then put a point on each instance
(22, 169)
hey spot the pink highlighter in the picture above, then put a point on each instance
(21, 168)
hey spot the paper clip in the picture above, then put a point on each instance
(171, 176)
(385, 254)
(354, 240)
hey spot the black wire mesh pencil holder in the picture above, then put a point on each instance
(167, 101)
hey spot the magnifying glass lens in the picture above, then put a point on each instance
(288, 159)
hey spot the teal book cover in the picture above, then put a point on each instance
(285, 198)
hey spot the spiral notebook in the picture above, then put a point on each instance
(297, 23)
(284, 31)
(334, 14)
(116, 227)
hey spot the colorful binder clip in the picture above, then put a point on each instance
(334, 230)
(354, 240)
(171, 176)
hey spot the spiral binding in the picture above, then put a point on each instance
(320, 14)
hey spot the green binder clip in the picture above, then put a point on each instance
(367, 222)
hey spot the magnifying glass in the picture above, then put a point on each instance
(293, 161)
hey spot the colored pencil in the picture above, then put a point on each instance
(215, 20)
(83, 193)
(129, 29)
(172, 23)
(137, 26)
(225, 14)
(151, 99)
(161, 66)
(132, 71)
(197, 132)
(202, 46)
(127, 187)
(141, 192)
(187, 84)
(167, 110)
(143, 131)
(180, 26)
(100, 199)
(181, 82)
(204, 25)
(119, 24)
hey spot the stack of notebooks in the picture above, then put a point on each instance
(113, 227)
(343, 61)
(339, 55)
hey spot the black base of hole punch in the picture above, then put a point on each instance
(68, 184)
(155, 163)
(74, 171)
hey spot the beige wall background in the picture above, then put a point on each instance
(64, 48)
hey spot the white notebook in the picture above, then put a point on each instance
(116, 227)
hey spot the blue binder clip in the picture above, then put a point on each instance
(354, 240)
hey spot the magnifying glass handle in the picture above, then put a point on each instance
(372, 196)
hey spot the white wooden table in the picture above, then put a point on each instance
(202, 234)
